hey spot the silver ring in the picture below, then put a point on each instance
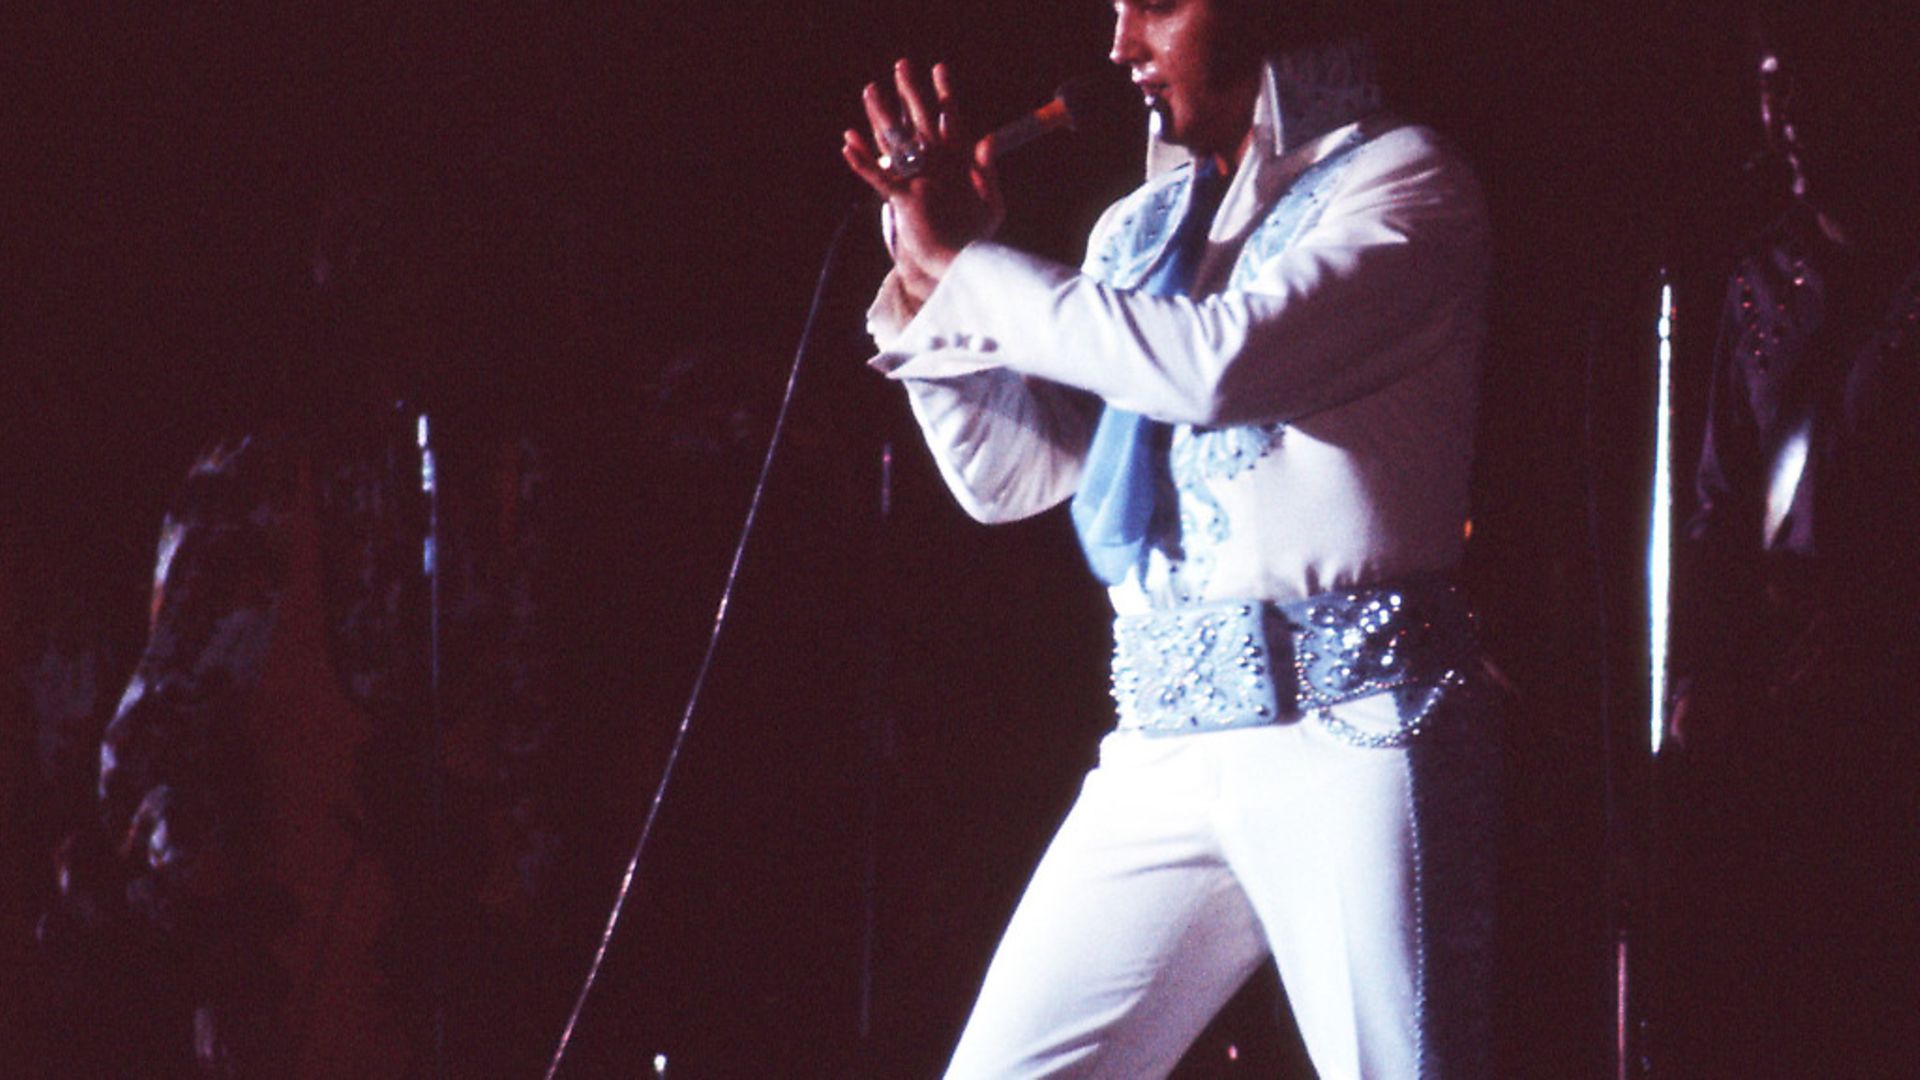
(903, 155)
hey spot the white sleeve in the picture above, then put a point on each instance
(1380, 282)
(1008, 446)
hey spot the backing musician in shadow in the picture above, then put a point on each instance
(1793, 804)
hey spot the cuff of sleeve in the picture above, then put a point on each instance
(944, 339)
(890, 312)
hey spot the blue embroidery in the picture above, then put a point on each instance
(1143, 231)
(1232, 663)
(1296, 212)
(1317, 90)
(1195, 669)
(1203, 456)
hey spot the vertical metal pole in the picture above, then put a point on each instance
(1660, 543)
(1632, 1054)
(879, 742)
(1622, 1011)
(430, 552)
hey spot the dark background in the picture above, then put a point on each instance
(601, 224)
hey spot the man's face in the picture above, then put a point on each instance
(1182, 65)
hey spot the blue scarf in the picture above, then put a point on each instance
(1126, 463)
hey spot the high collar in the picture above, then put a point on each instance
(1304, 93)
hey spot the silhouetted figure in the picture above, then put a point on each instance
(1794, 817)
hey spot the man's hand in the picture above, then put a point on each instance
(955, 197)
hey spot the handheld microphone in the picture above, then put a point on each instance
(1073, 105)
(1077, 103)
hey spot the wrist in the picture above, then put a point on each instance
(926, 265)
(935, 263)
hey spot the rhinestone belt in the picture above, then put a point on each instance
(1209, 667)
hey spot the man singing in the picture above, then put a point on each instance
(1258, 394)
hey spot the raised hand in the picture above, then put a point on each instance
(939, 184)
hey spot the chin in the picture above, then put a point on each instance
(1174, 131)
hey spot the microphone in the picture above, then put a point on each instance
(1077, 102)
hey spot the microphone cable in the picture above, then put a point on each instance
(713, 641)
(1071, 103)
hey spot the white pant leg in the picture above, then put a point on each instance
(1140, 921)
(1131, 935)
(1371, 870)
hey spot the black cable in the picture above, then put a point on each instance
(713, 641)
(879, 743)
(433, 551)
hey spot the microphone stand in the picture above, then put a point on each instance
(431, 549)
(1633, 1042)
(879, 753)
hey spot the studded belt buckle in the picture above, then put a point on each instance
(1354, 644)
(1203, 668)
(1212, 667)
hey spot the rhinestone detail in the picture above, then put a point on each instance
(1193, 669)
(1210, 667)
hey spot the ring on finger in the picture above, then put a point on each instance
(903, 154)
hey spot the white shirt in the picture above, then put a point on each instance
(1323, 398)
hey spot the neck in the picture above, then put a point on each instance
(1228, 145)
(1226, 164)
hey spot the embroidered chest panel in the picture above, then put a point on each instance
(1204, 457)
